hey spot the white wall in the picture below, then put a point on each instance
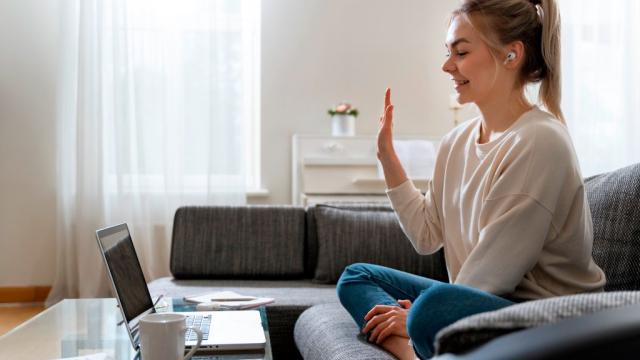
(315, 53)
(27, 141)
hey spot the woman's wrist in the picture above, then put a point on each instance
(387, 157)
(394, 173)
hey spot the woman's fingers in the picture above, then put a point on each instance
(388, 108)
(387, 331)
(388, 115)
(378, 329)
(378, 309)
(387, 98)
(405, 303)
(373, 323)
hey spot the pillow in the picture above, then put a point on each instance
(473, 331)
(367, 233)
(255, 242)
(613, 199)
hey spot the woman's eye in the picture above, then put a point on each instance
(460, 54)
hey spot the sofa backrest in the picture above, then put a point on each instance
(255, 242)
(260, 242)
(614, 200)
(342, 234)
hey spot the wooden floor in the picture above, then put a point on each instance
(12, 315)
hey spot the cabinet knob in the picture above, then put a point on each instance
(333, 147)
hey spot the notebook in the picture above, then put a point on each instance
(224, 330)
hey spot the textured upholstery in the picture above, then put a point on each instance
(285, 292)
(292, 297)
(476, 330)
(328, 332)
(614, 199)
(339, 235)
(238, 242)
(371, 234)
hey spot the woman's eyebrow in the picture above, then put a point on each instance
(457, 41)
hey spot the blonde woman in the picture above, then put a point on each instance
(506, 202)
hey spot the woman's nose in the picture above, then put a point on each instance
(448, 65)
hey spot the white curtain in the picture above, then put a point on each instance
(601, 81)
(156, 101)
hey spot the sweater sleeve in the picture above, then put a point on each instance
(417, 216)
(510, 244)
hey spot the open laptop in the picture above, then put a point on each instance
(222, 330)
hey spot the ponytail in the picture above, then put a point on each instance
(551, 87)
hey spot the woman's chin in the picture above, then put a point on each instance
(463, 99)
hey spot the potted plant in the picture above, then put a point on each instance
(343, 120)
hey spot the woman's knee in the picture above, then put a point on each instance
(443, 304)
(431, 310)
(351, 275)
(425, 317)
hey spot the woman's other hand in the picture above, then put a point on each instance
(386, 320)
(385, 134)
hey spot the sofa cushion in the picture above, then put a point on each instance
(292, 297)
(473, 331)
(613, 199)
(371, 234)
(285, 292)
(328, 332)
(238, 242)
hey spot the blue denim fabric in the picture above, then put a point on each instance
(435, 304)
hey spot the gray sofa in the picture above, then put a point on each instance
(295, 255)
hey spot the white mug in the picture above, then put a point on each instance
(162, 337)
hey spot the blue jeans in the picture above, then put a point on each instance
(435, 304)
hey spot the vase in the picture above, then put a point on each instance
(343, 125)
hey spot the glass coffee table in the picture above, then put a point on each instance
(80, 327)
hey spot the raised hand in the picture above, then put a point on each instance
(385, 134)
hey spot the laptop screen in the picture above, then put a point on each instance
(124, 268)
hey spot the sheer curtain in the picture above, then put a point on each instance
(601, 81)
(156, 103)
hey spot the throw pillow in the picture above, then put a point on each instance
(251, 242)
(370, 234)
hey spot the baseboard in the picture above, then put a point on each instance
(24, 294)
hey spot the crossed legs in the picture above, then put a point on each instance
(435, 304)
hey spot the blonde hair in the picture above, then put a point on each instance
(536, 23)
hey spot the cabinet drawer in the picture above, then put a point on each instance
(341, 179)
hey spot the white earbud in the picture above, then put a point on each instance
(510, 57)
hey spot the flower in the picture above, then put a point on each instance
(344, 108)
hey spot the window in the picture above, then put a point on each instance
(600, 53)
(187, 95)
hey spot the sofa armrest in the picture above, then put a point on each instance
(471, 332)
(611, 334)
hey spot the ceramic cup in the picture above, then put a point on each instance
(162, 337)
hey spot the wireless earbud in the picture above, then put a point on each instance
(510, 57)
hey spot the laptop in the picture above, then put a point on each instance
(222, 330)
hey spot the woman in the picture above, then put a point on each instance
(506, 201)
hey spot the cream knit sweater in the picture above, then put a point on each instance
(511, 214)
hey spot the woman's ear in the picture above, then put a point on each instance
(514, 53)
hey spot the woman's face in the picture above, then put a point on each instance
(470, 63)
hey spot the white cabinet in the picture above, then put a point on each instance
(327, 168)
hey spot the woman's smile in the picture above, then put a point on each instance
(459, 83)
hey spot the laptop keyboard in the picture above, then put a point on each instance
(202, 322)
